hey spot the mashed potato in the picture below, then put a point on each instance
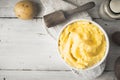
(82, 44)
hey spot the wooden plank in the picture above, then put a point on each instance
(7, 7)
(19, 26)
(29, 53)
(47, 75)
(94, 12)
(25, 45)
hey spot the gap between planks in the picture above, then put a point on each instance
(33, 18)
(17, 18)
(43, 70)
(51, 75)
(34, 70)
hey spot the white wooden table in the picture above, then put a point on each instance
(27, 52)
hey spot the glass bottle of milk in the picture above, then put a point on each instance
(110, 10)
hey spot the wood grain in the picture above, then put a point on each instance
(25, 43)
(7, 8)
(28, 52)
(45, 75)
(94, 12)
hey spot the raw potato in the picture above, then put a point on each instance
(116, 37)
(25, 10)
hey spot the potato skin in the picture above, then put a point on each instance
(25, 10)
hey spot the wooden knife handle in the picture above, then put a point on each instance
(84, 7)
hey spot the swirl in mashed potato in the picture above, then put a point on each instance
(82, 44)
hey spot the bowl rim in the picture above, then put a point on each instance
(107, 44)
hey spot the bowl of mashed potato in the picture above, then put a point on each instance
(83, 44)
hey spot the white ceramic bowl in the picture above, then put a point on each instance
(107, 46)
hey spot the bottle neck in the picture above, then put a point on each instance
(115, 6)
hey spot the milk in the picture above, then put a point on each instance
(115, 6)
